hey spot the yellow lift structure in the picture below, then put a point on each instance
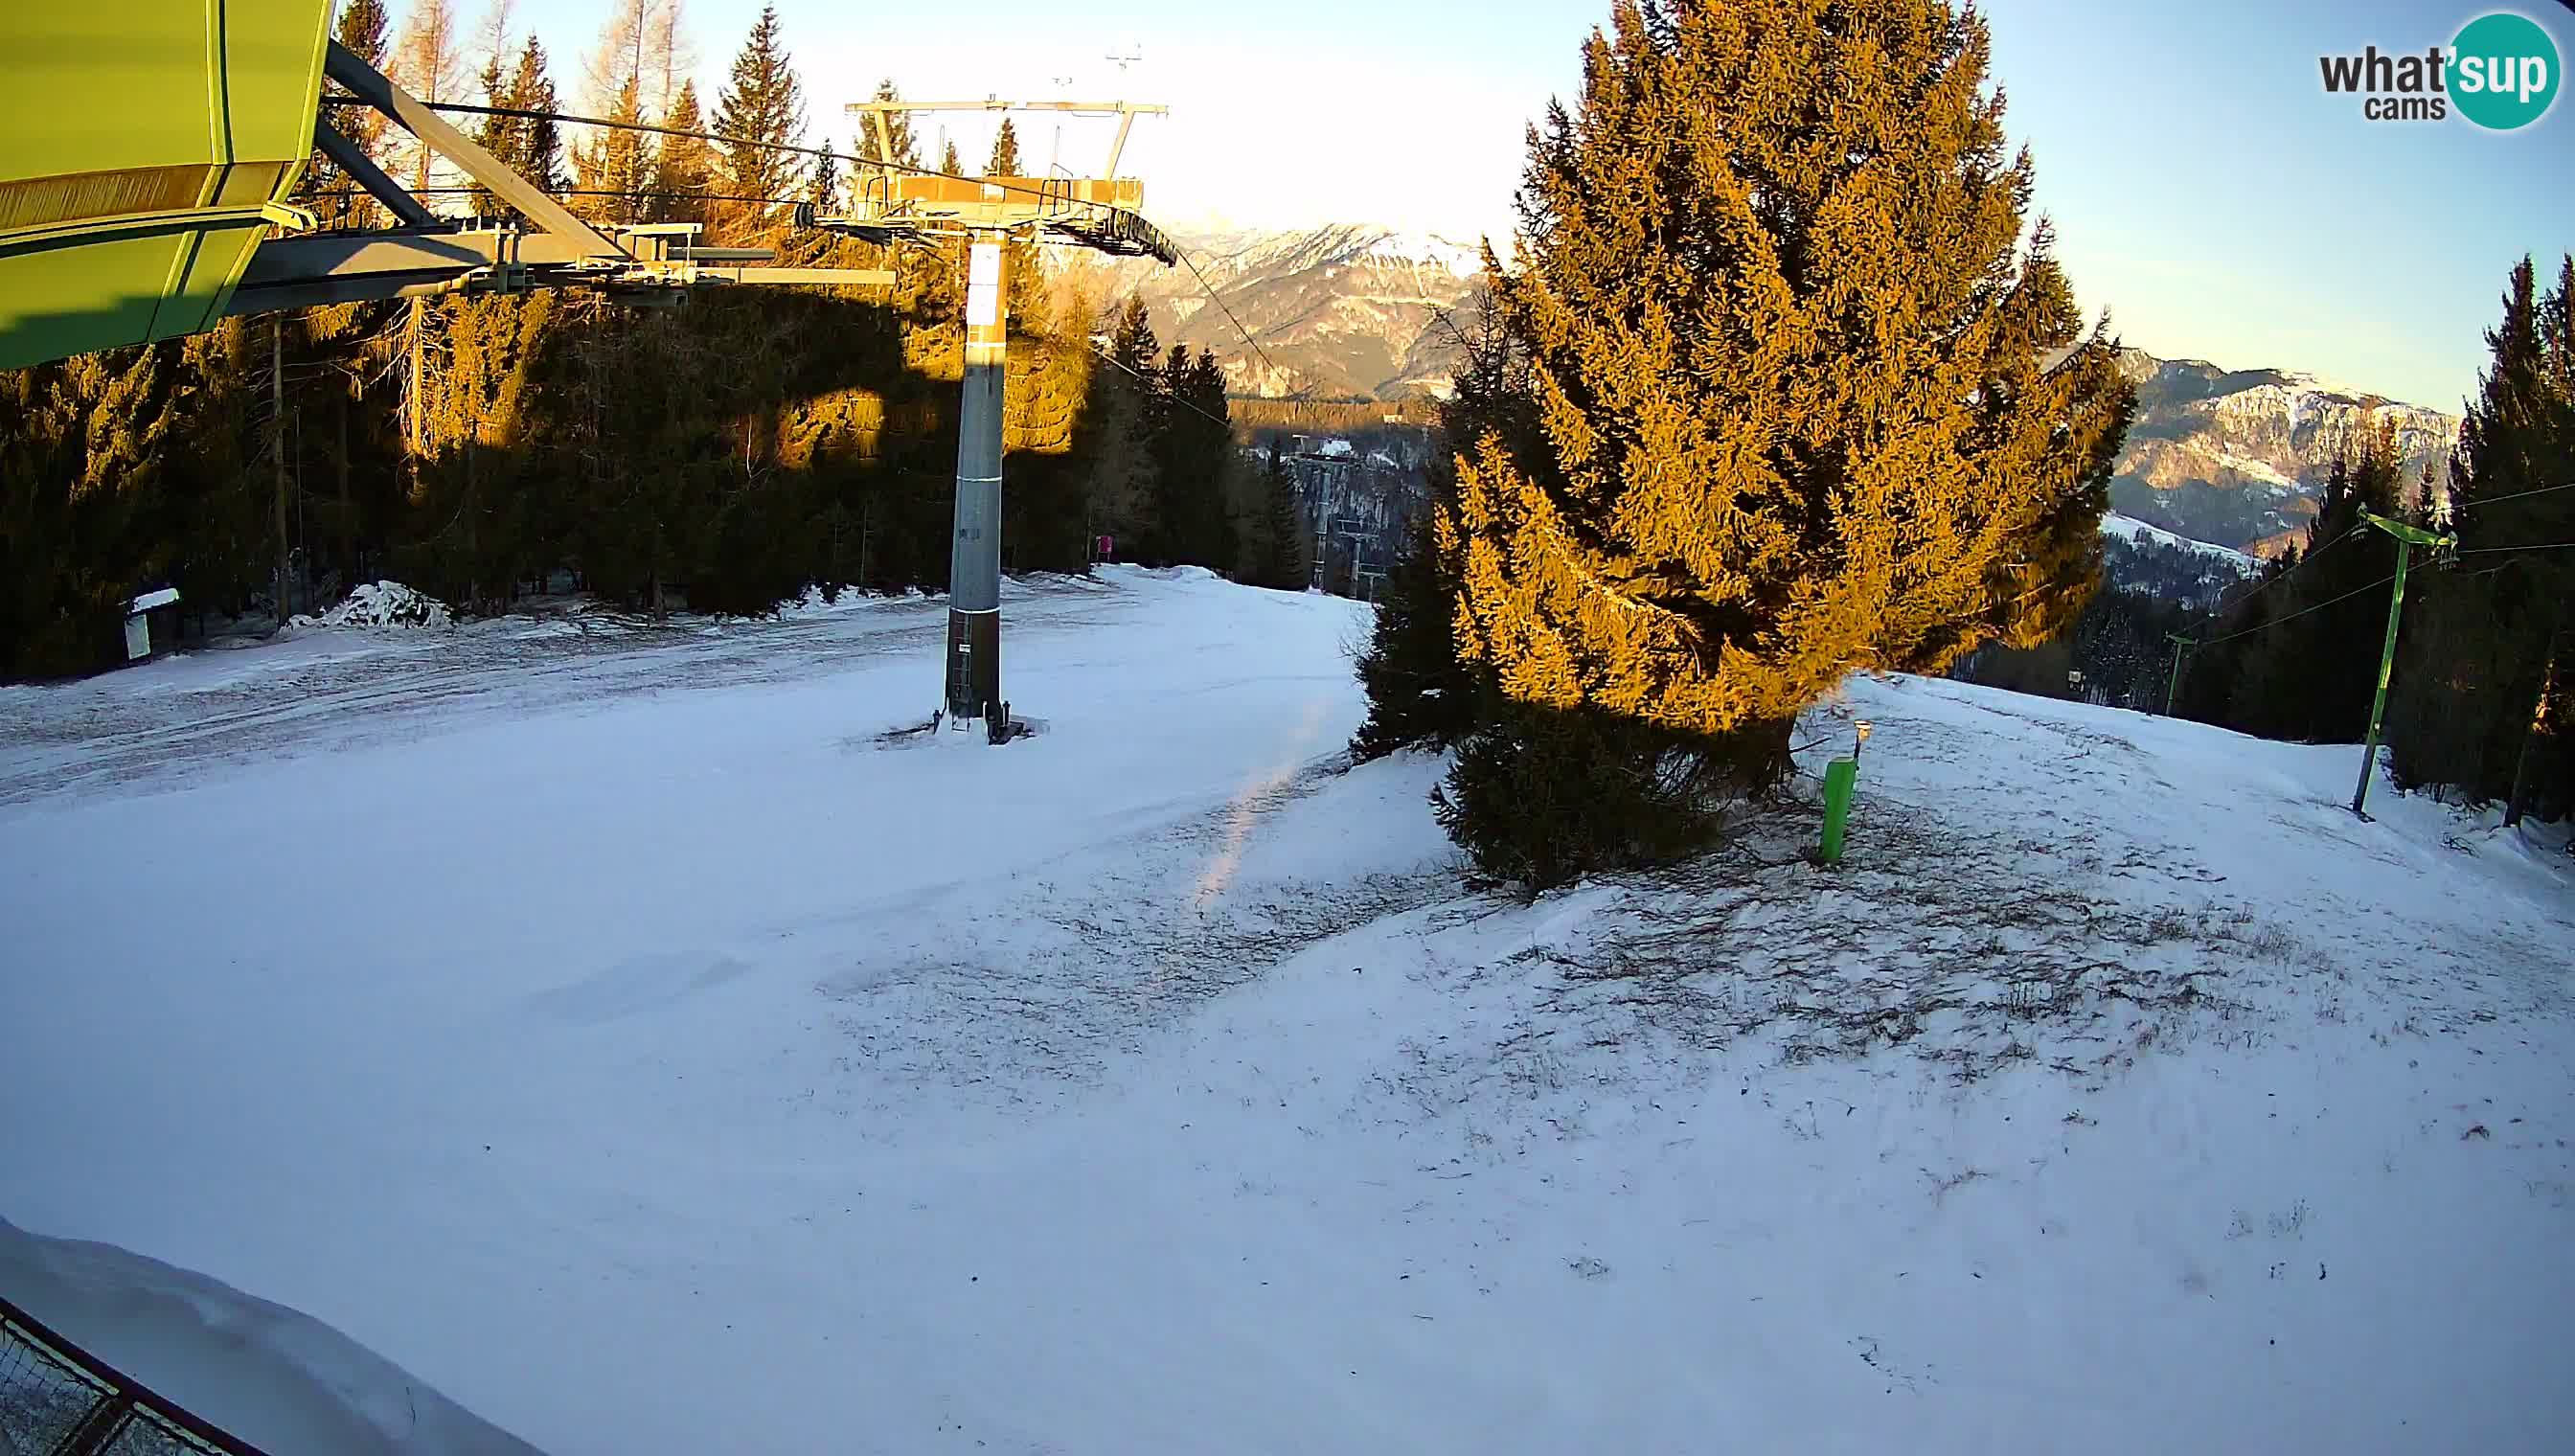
(147, 149)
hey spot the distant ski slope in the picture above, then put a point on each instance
(2138, 533)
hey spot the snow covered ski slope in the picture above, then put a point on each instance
(589, 1017)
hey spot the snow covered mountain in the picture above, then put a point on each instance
(1345, 310)
(2236, 457)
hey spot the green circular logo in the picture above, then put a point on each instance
(2503, 71)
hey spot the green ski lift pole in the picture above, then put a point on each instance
(2407, 538)
(2172, 694)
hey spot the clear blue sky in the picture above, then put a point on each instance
(2204, 187)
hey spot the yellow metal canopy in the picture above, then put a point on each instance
(145, 149)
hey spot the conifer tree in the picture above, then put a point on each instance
(907, 149)
(333, 195)
(668, 54)
(824, 189)
(430, 63)
(1196, 456)
(493, 135)
(762, 103)
(1809, 404)
(643, 41)
(1006, 152)
(2483, 703)
(1420, 692)
(1277, 534)
(2310, 674)
(492, 44)
(1126, 414)
(499, 135)
(950, 163)
(538, 145)
(366, 30)
(615, 168)
(684, 170)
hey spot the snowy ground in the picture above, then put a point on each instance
(592, 1019)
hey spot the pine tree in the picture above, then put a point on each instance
(1195, 456)
(950, 163)
(685, 168)
(2483, 701)
(501, 136)
(615, 168)
(824, 189)
(2310, 676)
(538, 145)
(1006, 152)
(430, 64)
(668, 56)
(1126, 411)
(764, 103)
(1276, 545)
(332, 194)
(907, 149)
(643, 41)
(494, 135)
(1809, 403)
(1420, 692)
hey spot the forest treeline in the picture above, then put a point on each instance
(2481, 694)
(731, 452)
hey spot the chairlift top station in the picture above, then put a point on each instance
(169, 211)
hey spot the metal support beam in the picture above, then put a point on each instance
(2407, 536)
(2386, 665)
(370, 86)
(298, 273)
(1117, 148)
(975, 553)
(338, 267)
(831, 277)
(1126, 112)
(995, 103)
(362, 168)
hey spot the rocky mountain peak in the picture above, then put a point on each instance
(2235, 457)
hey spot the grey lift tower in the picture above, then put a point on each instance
(888, 202)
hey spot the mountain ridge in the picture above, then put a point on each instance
(2232, 457)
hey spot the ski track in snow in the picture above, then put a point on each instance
(652, 1068)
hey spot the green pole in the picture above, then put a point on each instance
(1840, 776)
(2180, 644)
(2386, 667)
(2407, 538)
